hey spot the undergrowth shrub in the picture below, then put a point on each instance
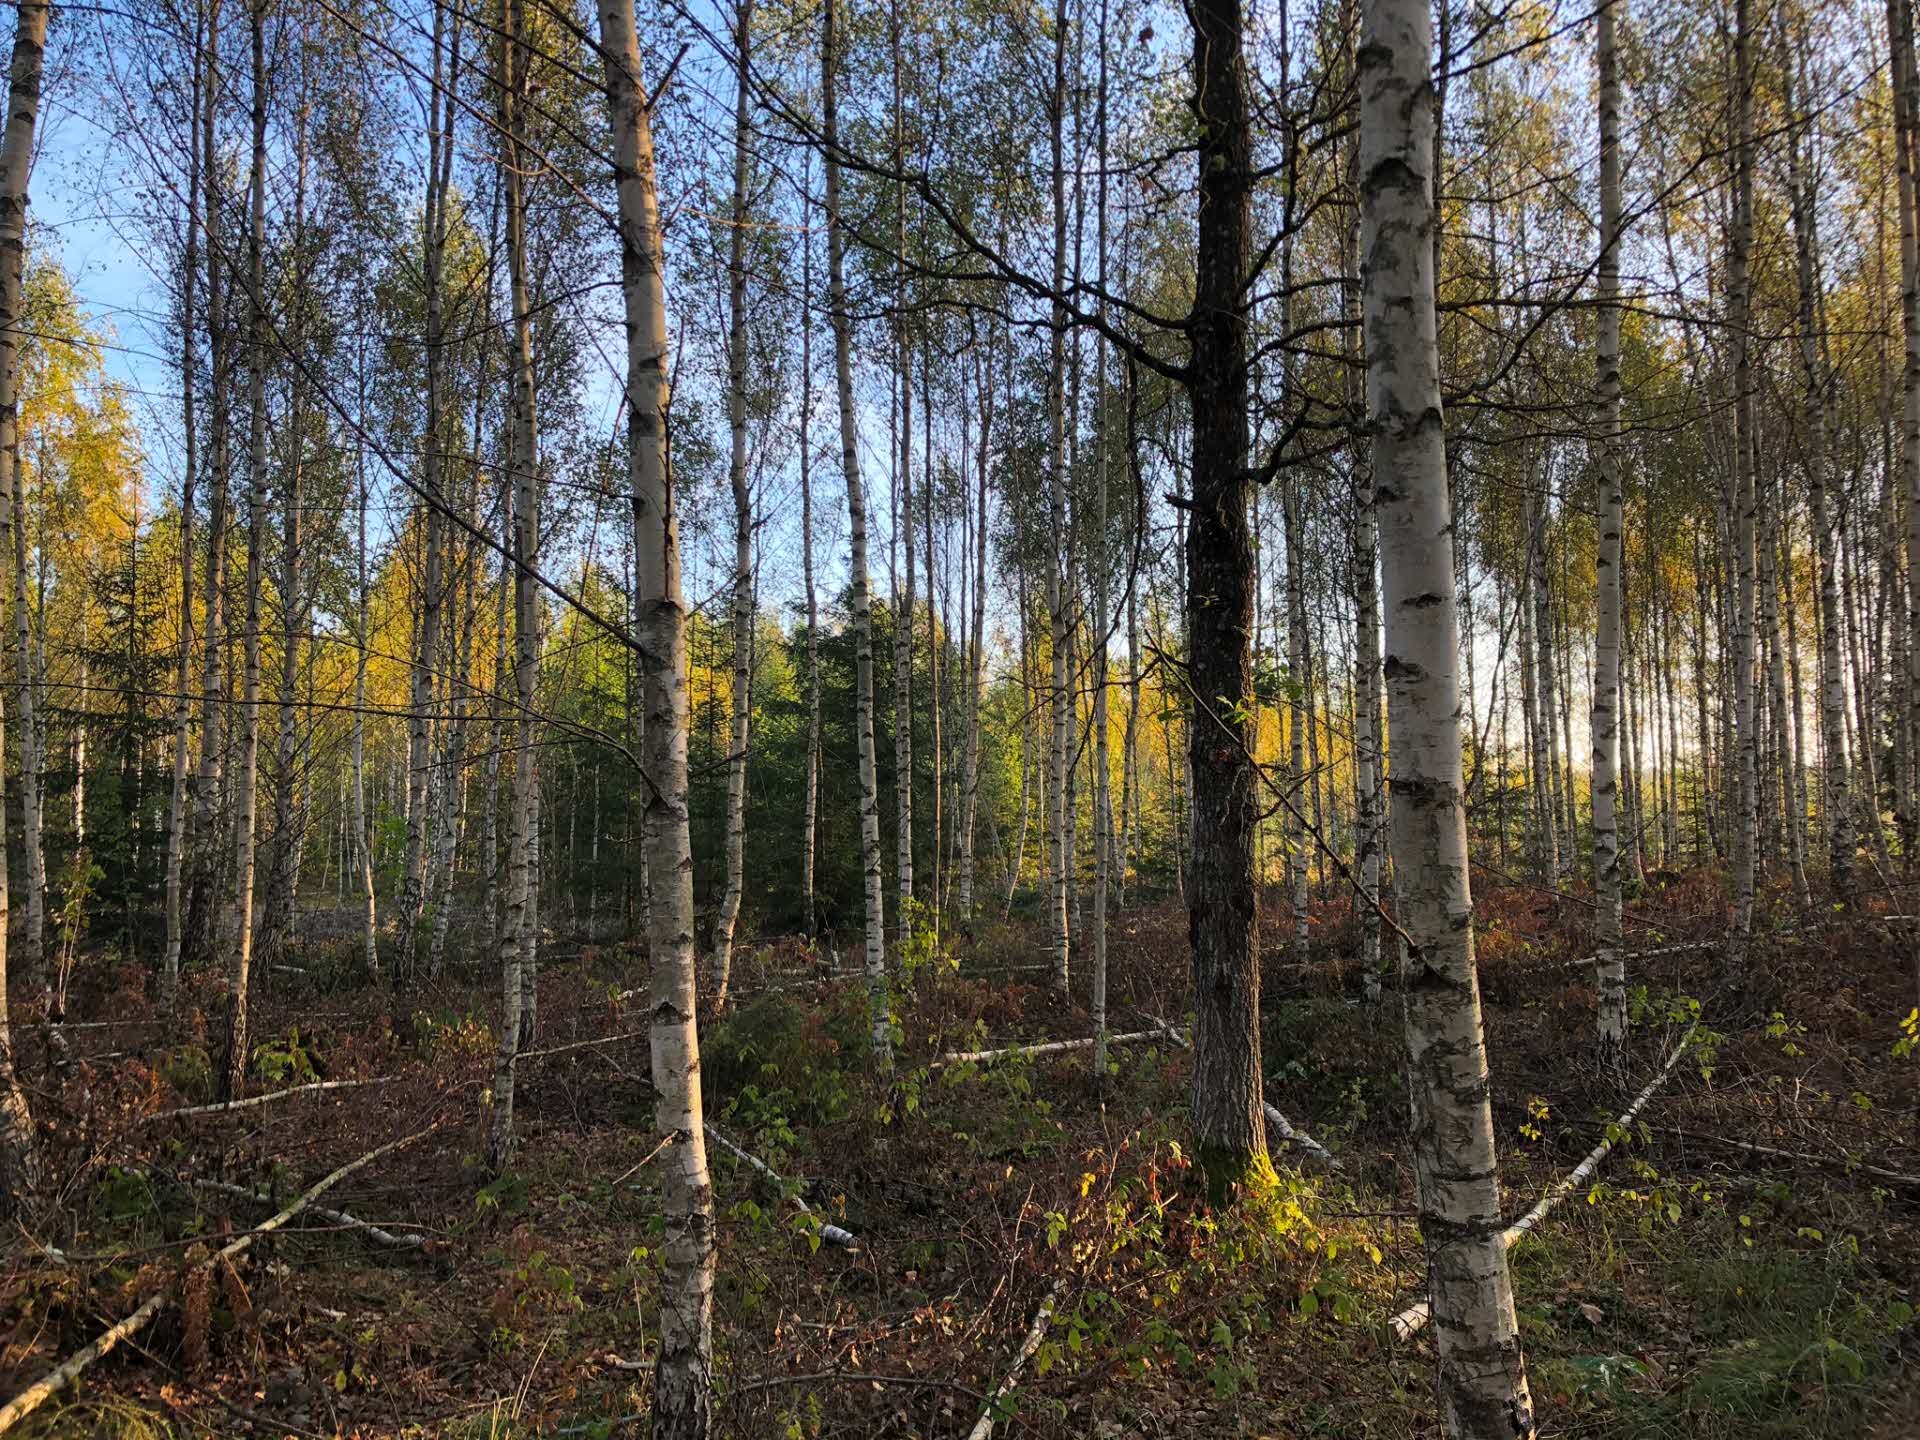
(775, 1057)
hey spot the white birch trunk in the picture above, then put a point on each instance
(280, 909)
(976, 673)
(1907, 158)
(810, 800)
(204, 798)
(1367, 751)
(413, 874)
(1546, 767)
(902, 532)
(523, 471)
(33, 965)
(728, 918)
(1300, 844)
(19, 1156)
(1611, 1029)
(502, 731)
(363, 842)
(1482, 1379)
(859, 583)
(1836, 808)
(1059, 625)
(183, 663)
(683, 1375)
(1744, 821)
(240, 975)
(448, 823)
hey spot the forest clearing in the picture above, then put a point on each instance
(814, 718)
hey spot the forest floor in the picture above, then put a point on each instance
(1694, 1288)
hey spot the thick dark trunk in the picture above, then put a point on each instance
(1223, 923)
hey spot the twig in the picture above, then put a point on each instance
(857, 1377)
(64, 1374)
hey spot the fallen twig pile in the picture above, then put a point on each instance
(68, 1370)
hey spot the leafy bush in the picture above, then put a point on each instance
(189, 1070)
(773, 1047)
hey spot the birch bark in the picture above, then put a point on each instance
(1060, 699)
(247, 787)
(523, 471)
(19, 1156)
(859, 581)
(1482, 1380)
(1739, 300)
(728, 917)
(683, 1372)
(413, 879)
(1611, 1030)
(183, 663)
(1836, 808)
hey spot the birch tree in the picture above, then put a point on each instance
(810, 797)
(901, 530)
(190, 473)
(362, 844)
(1102, 762)
(19, 1155)
(413, 877)
(1482, 1377)
(736, 838)
(1365, 569)
(523, 471)
(247, 785)
(204, 797)
(1906, 146)
(1745, 819)
(1836, 803)
(1059, 623)
(859, 584)
(683, 1369)
(1611, 1032)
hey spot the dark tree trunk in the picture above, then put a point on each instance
(1223, 924)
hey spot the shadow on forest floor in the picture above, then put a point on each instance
(1734, 1269)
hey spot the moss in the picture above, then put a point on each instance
(1237, 1176)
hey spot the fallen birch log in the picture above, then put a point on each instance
(253, 1100)
(1582, 1172)
(1682, 948)
(1412, 1320)
(829, 1232)
(578, 1045)
(1299, 1137)
(1832, 1162)
(1275, 1119)
(1036, 1332)
(68, 1370)
(1050, 1047)
(389, 1238)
